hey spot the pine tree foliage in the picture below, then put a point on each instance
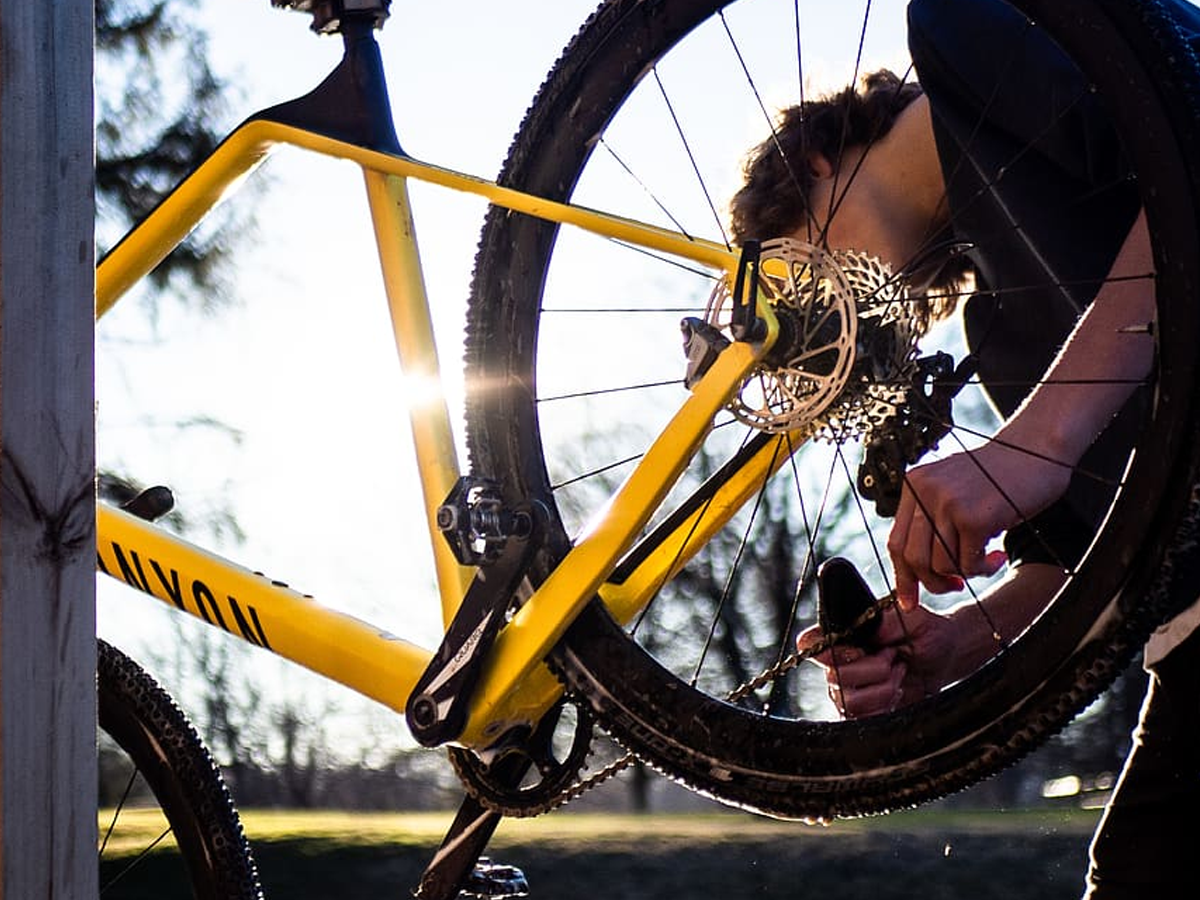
(157, 104)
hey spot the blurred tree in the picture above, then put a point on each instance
(160, 111)
(158, 108)
(157, 103)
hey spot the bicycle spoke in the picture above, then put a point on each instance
(576, 395)
(842, 143)
(112, 824)
(594, 473)
(730, 580)
(649, 193)
(133, 863)
(767, 118)
(690, 156)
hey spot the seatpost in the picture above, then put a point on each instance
(352, 103)
(331, 16)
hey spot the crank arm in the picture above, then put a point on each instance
(437, 708)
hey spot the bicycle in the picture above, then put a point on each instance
(563, 595)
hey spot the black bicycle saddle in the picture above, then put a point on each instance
(843, 598)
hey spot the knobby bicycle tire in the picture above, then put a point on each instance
(772, 755)
(186, 784)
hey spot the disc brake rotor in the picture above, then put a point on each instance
(847, 345)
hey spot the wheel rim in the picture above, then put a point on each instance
(166, 821)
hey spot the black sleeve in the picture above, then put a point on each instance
(1037, 183)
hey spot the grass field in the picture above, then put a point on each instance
(928, 854)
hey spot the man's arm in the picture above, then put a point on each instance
(950, 509)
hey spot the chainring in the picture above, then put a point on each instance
(532, 775)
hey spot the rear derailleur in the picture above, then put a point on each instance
(912, 430)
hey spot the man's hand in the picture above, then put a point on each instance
(952, 508)
(917, 652)
(910, 657)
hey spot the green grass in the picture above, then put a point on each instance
(930, 853)
(427, 829)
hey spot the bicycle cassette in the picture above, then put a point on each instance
(846, 348)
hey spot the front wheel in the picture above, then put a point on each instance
(573, 365)
(160, 789)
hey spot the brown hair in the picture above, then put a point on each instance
(774, 198)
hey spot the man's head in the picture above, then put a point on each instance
(779, 173)
(783, 174)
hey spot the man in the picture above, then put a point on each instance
(892, 169)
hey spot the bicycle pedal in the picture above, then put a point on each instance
(494, 881)
(843, 599)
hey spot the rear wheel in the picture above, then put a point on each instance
(574, 362)
(160, 791)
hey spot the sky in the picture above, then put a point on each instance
(301, 365)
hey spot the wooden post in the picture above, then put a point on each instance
(47, 539)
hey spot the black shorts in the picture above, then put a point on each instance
(1146, 843)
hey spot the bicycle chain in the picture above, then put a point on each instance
(521, 804)
(538, 801)
(796, 657)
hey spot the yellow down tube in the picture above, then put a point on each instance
(251, 606)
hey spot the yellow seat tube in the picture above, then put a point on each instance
(412, 325)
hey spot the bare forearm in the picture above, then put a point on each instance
(985, 624)
(1107, 355)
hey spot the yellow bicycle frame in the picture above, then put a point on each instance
(515, 687)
